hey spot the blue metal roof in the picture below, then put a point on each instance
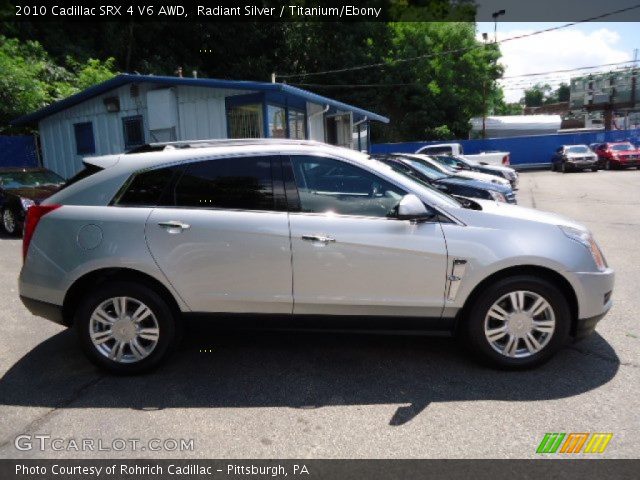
(127, 78)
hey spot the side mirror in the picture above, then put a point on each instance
(412, 208)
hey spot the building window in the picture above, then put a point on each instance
(297, 124)
(245, 121)
(277, 121)
(85, 143)
(133, 131)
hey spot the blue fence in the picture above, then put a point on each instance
(18, 151)
(525, 151)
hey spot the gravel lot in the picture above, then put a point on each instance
(355, 396)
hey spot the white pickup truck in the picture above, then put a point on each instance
(489, 158)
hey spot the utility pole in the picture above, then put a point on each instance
(484, 108)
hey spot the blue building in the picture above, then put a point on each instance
(131, 110)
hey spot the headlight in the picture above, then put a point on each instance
(497, 196)
(26, 203)
(585, 238)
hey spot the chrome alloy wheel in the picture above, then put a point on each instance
(519, 324)
(124, 329)
(9, 221)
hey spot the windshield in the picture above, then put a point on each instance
(469, 162)
(429, 171)
(433, 163)
(29, 179)
(622, 147)
(447, 199)
(578, 149)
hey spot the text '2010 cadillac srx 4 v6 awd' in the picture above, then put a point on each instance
(138, 242)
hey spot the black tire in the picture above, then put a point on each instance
(607, 165)
(166, 319)
(16, 227)
(553, 167)
(472, 328)
(564, 168)
(594, 169)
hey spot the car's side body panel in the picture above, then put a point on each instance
(370, 266)
(225, 260)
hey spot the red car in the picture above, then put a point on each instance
(618, 155)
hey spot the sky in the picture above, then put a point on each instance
(586, 44)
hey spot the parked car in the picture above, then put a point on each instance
(420, 168)
(472, 174)
(126, 254)
(456, 149)
(574, 157)
(461, 163)
(618, 155)
(19, 189)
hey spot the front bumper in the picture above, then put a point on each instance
(594, 291)
(582, 163)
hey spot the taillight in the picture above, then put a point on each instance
(506, 160)
(34, 214)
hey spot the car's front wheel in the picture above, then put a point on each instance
(10, 222)
(125, 327)
(519, 322)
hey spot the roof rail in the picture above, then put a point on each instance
(160, 146)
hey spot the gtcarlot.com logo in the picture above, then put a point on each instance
(574, 442)
(41, 442)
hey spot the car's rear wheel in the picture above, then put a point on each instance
(125, 327)
(10, 222)
(519, 322)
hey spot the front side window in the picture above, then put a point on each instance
(231, 183)
(327, 185)
(85, 144)
(133, 131)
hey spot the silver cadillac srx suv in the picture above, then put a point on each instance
(137, 243)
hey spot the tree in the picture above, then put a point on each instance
(31, 79)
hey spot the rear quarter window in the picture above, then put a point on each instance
(146, 189)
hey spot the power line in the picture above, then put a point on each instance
(524, 79)
(566, 70)
(464, 49)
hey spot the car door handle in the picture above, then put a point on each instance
(174, 226)
(318, 238)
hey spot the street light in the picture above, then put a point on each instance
(495, 16)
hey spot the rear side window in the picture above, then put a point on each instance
(146, 188)
(233, 183)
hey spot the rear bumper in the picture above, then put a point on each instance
(43, 309)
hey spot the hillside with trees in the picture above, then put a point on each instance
(429, 97)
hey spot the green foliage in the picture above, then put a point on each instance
(31, 79)
(431, 97)
(544, 94)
